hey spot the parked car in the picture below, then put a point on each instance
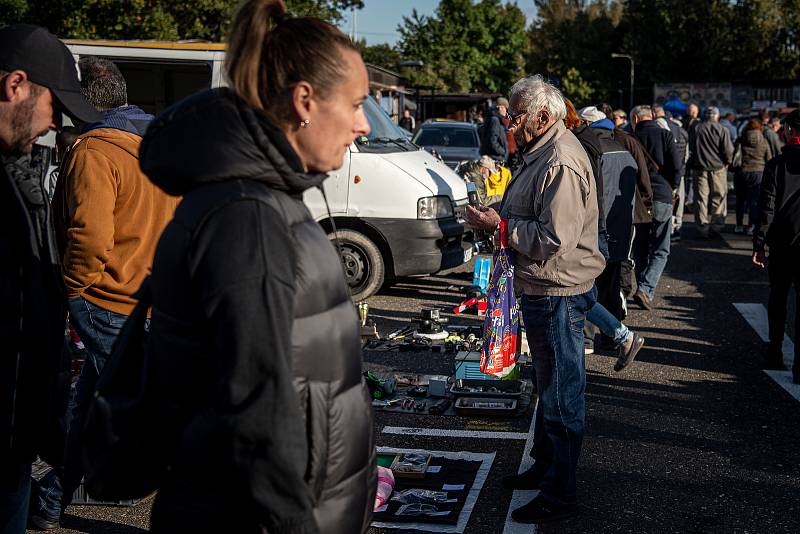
(453, 141)
(397, 210)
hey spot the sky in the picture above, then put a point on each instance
(378, 21)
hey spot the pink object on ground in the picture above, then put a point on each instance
(385, 486)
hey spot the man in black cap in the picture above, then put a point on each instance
(38, 81)
(776, 240)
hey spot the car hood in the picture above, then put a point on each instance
(430, 172)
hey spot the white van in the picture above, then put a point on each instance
(397, 209)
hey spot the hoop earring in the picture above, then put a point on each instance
(304, 123)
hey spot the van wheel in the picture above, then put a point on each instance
(363, 263)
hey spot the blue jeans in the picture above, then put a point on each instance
(554, 326)
(98, 329)
(651, 248)
(15, 491)
(609, 325)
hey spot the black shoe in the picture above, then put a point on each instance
(625, 358)
(42, 522)
(588, 346)
(643, 300)
(528, 480)
(773, 357)
(541, 511)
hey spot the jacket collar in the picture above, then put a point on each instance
(536, 149)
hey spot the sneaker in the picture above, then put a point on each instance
(626, 357)
(43, 522)
(541, 511)
(643, 300)
(738, 229)
(588, 346)
(527, 480)
(750, 230)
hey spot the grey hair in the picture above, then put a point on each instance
(657, 109)
(102, 84)
(536, 95)
(642, 112)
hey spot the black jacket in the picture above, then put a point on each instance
(778, 224)
(494, 142)
(34, 367)
(664, 163)
(254, 334)
(591, 144)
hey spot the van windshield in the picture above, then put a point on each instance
(384, 135)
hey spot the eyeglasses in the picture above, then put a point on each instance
(515, 117)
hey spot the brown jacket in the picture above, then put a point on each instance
(551, 207)
(113, 218)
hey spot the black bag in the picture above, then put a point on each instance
(127, 437)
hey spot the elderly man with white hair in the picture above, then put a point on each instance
(550, 209)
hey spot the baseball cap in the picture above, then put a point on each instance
(712, 111)
(591, 114)
(47, 62)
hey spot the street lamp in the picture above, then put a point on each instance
(413, 64)
(630, 58)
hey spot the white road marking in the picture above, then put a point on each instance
(521, 497)
(440, 432)
(756, 317)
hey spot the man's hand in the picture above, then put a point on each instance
(759, 259)
(486, 219)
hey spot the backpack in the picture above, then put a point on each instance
(128, 435)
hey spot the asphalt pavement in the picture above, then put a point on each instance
(693, 437)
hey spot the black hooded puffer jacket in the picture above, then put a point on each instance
(254, 335)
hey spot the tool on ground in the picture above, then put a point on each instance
(438, 408)
(379, 388)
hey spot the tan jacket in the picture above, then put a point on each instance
(551, 207)
(114, 217)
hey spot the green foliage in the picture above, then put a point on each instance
(576, 88)
(149, 19)
(383, 55)
(466, 46)
(12, 11)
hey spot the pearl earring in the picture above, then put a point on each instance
(304, 123)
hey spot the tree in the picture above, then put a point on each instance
(576, 88)
(466, 46)
(149, 19)
(383, 55)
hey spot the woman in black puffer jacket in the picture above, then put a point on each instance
(755, 155)
(254, 337)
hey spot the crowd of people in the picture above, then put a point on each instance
(200, 212)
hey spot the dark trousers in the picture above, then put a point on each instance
(98, 329)
(554, 326)
(15, 490)
(748, 186)
(783, 273)
(608, 292)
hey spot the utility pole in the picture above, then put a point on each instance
(629, 58)
(353, 24)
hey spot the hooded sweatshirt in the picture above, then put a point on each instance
(112, 215)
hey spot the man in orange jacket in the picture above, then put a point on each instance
(109, 218)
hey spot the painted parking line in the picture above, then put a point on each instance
(445, 433)
(523, 497)
(756, 317)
